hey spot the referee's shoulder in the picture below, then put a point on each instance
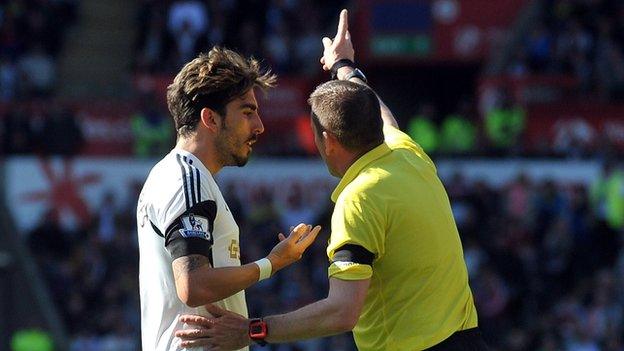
(360, 189)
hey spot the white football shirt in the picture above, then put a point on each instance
(181, 211)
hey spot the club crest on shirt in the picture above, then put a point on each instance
(195, 227)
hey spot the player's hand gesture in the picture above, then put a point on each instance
(290, 248)
(224, 331)
(339, 48)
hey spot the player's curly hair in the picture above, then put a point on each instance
(212, 80)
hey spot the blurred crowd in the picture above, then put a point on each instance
(499, 132)
(285, 34)
(580, 38)
(545, 261)
(92, 273)
(31, 39)
(43, 128)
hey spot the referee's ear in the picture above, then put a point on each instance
(330, 142)
(209, 118)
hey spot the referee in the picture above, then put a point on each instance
(397, 273)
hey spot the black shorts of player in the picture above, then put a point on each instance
(463, 340)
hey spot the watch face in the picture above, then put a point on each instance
(257, 329)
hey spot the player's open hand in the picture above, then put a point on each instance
(226, 330)
(339, 48)
(291, 247)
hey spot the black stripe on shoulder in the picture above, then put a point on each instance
(189, 172)
(156, 230)
(353, 253)
(198, 185)
(186, 193)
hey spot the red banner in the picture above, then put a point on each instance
(106, 128)
(576, 125)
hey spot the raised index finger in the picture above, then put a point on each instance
(343, 24)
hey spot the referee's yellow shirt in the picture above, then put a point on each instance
(391, 202)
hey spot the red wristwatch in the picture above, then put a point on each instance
(258, 331)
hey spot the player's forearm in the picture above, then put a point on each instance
(214, 284)
(322, 318)
(386, 114)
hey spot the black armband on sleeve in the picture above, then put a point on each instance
(191, 232)
(353, 253)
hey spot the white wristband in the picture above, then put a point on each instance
(266, 268)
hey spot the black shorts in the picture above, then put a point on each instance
(463, 340)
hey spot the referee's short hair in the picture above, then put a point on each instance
(212, 80)
(350, 111)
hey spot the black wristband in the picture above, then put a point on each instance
(338, 64)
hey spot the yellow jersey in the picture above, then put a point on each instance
(392, 203)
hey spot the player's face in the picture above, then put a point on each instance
(239, 130)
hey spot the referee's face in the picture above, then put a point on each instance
(239, 130)
(320, 145)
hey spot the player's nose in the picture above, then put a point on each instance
(258, 127)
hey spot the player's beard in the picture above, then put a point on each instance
(232, 149)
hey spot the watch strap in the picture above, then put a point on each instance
(339, 64)
(357, 73)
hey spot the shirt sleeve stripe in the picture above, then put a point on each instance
(186, 193)
(198, 186)
(190, 175)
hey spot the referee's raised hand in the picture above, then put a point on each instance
(339, 48)
(290, 248)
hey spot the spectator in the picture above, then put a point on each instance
(152, 131)
(504, 126)
(187, 22)
(17, 133)
(31, 340)
(538, 48)
(608, 205)
(8, 79)
(295, 210)
(423, 130)
(107, 219)
(154, 44)
(609, 63)
(39, 73)
(191, 14)
(458, 134)
(62, 134)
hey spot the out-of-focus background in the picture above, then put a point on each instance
(520, 104)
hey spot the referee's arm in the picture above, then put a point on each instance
(342, 48)
(337, 313)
